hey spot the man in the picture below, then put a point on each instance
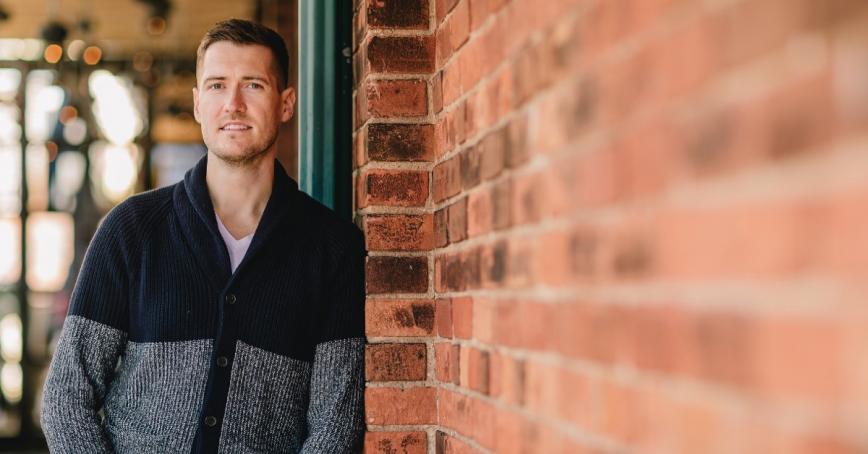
(224, 313)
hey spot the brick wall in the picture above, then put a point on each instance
(608, 226)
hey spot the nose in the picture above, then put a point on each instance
(235, 100)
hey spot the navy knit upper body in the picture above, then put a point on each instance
(164, 349)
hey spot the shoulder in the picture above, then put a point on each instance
(137, 214)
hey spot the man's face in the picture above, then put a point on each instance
(238, 102)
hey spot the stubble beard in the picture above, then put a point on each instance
(248, 158)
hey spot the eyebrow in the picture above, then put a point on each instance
(245, 78)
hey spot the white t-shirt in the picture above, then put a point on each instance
(237, 248)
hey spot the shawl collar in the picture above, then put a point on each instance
(199, 225)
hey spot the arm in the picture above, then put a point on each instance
(336, 412)
(93, 338)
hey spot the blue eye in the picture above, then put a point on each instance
(215, 85)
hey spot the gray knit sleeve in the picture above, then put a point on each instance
(336, 412)
(77, 381)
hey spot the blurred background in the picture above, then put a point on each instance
(95, 105)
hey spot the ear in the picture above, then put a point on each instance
(196, 104)
(287, 100)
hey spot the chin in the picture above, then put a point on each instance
(238, 157)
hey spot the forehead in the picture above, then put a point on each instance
(224, 58)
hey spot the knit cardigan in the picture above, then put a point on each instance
(165, 350)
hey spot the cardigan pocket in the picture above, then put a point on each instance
(266, 407)
(154, 401)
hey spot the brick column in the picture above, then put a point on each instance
(394, 149)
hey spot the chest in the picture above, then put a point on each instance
(273, 302)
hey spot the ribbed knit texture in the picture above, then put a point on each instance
(274, 352)
(157, 395)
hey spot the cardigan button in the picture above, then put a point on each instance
(210, 421)
(222, 361)
(230, 299)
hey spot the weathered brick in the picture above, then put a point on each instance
(387, 406)
(470, 161)
(441, 235)
(493, 159)
(479, 213)
(396, 443)
(397, 98)
(437, 92)
(446, 362)
(447, 179)
(457, 221)
(401, 54)
(399, 318)
(386, 274)
(395, 362)
(394, 188)
(462, 317)
(399, 232)
(400, 142)
(398, 14)
(444, 317)
(456, 272)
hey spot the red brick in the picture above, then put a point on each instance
(451, 130)
(396, 443)
(398, 14)
(446, 357)
(395, 362)
(508, 378)
(470, 172)
(400, 142)
(457, 221)
(480, 10)
(399, 232)
(456, 272)
(517, 151)
(479, 213)
(441, 235)
(493, 263)
(399, 318)
(452, 86)
(447, 179)
(386, 274)
(444, 317)
(401, 54)
(484, 313)
(394, 187)
(800, 357)
(397, 98)
(493, 149)
(527, 199)
(475, 369)
(472, 417)
(501, 202)
(462, 317)
(387, 406)
(437, 92)
(459, 25)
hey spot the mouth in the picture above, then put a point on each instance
(235, 127)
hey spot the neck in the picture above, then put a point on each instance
(239, 193)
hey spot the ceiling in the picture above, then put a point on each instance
(119, 27)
